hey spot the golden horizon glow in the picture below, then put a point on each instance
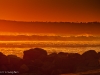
(44, 34)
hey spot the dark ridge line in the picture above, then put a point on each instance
(49, 22)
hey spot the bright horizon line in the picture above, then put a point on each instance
(45, 34)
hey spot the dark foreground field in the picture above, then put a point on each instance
(37, 62)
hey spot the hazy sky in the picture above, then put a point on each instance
(50, 10)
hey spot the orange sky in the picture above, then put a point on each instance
(50, 10)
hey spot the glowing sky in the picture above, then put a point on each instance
(50, 10)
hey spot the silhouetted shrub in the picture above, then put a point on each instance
(37, 62)
(89, 60)
(34, 54)
(14, 62)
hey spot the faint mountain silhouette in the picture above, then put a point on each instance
(50, 27)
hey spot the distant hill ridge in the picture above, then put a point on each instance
(50, 27)
(44, 22)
